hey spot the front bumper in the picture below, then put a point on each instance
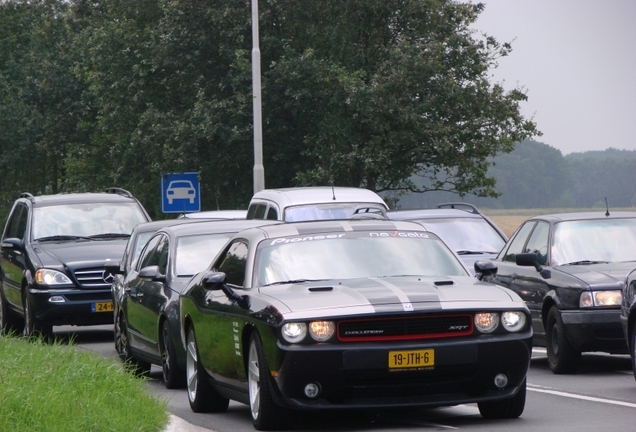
(356, 375)
(77, 307)
(595, 330)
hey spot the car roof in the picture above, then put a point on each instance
(435, 213)
(79, 198)
(318, 195)
(192, 227)
(334, 226)
(157, 225)
(215, 214)
(561, 217)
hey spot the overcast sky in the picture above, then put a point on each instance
(577, 61)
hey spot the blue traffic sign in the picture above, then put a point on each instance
(180, 193)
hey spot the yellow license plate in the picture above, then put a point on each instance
(102, 307)
(411, 359)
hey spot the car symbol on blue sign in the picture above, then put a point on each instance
(180, 193)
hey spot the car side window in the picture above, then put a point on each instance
(161, 255)
(256, 211)
(18, 223)
(234, 263)
(147, 255)
(272, 214)
(517, 244)
(538, 242)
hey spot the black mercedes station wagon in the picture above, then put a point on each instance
(54, 252)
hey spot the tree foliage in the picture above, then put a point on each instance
(363, 93)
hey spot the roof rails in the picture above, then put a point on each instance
(460, 206)
(26, 195)
(119, 191)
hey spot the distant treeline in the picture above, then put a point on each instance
(536, 175)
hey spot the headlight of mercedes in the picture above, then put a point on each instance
(600, 298)
(51, 277)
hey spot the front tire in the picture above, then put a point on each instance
(266, 415)
(33, 327)
(562, 357)
(202, 397)
(507, 408)
(122, 346)
(173, 376)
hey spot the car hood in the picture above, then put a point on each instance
(80, 254)
(600, 275)
(387, 295)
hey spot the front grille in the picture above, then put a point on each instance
(405, 328)
(93, 278)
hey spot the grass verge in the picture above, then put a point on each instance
(57, 387)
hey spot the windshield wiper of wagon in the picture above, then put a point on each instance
(62, 238)
(109, 235)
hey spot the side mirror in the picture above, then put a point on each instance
(13, 243)
(216, 281)
(485, 269)
(531, 260)
(213, 281)
(151, 273)
(114, 267)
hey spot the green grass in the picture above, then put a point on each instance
(57, 387)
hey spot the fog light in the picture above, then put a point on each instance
(56, 299)
(312, 390)
(501, 381)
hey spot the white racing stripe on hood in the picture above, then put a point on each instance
(404, 299)
(346, 226)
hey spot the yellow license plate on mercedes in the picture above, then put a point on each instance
(102, 307)
(411, 359)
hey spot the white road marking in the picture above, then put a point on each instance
(548, 390)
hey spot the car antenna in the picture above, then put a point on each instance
(607, 213)
(333, 192)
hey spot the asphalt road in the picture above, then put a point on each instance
(601, 397)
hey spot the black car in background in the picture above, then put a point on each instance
(570, 270)
(471, 234)
(350, 315)
(147, 301)
(55, 249)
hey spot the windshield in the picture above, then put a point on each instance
(466, 234)
(329, 211)
(85, 220)
(601, 240)
(195, 253)
(353, 255)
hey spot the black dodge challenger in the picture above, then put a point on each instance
(350, 314)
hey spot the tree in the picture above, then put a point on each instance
(368, 93)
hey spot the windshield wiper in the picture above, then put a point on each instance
(293, 281)
(469, 252)
(586, 262)
(110, 235)
(62, 238)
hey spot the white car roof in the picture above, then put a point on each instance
(286, 197)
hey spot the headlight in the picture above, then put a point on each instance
(513, 321)
(51, 277)
(486, 322)
(322, 330)
(600, 298)
(294, 332)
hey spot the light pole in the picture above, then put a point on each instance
(259, 171)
